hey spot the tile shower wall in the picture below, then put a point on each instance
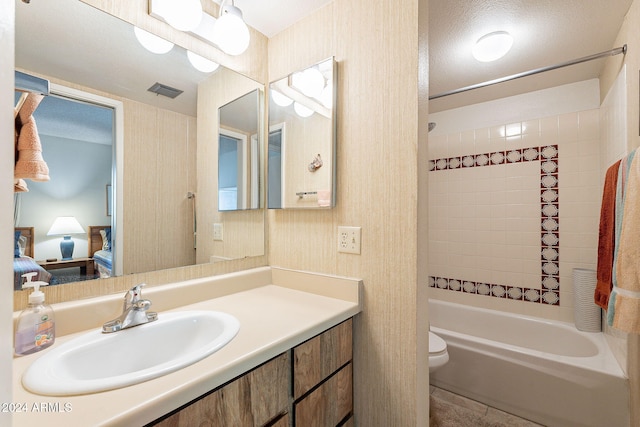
(513, 209)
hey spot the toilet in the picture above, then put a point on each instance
(438, 354)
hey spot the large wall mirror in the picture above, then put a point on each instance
(302, 139)
(163, 202)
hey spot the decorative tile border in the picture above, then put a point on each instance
(549, 225)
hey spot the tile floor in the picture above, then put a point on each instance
(451, 410)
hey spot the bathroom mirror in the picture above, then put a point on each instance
(73, 42)
(301, 167)
(239, 148)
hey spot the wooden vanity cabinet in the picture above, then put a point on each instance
(323, 378)
(257, 398)
(307, 386)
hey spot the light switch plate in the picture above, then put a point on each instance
(217, 231)
(349, 239)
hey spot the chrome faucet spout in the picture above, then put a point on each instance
(134, 312)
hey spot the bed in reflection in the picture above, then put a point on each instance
(23, 261)
(99, 244)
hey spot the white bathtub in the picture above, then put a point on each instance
(544, 371)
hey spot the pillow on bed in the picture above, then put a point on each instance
(22, 244)
(16, 244)
(106, 239)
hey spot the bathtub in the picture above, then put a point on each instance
(544, 371)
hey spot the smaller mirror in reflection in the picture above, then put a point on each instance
(302, 139)
(239, 153)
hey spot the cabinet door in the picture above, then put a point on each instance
(321, 356)
(329, 404)
(254, 399)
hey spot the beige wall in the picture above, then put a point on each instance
(159, 170)
(243, 232)
(629, 35)
(376, 46)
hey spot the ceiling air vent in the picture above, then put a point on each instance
(165, 90)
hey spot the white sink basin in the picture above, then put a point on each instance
(97, 362)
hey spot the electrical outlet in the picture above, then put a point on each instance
(349, 240)
(217, 231)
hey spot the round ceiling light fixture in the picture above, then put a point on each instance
(492, 46)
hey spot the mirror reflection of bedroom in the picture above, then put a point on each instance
(63, 196)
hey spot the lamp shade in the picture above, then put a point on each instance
(65, 225)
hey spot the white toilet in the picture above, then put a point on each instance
(438, 355)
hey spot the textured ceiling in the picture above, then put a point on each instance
(546, 32)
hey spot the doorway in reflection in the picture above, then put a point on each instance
(274, 168)
(231, 147)
(77, 139)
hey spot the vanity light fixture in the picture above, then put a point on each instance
(151, 42)
(492, 46)
(228, 32)
(202, 64)
(280, 99)
(302, 110)
(183, 15)
(310, 82)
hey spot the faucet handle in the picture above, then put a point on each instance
(137, 288)
(133, 295)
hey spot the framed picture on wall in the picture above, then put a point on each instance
(109, 204)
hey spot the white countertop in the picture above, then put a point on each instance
(273, 318)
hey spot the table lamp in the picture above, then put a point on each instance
(65, 226)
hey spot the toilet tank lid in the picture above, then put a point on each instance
(436, 344)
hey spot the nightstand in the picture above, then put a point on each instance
(85, 264)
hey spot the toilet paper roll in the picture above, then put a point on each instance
(587, 315)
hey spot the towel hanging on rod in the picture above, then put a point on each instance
(29, 163)
(624, 302)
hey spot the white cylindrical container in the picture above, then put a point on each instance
(587, 314)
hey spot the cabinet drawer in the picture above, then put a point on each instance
(252, 400)
(316, 359)
(329, 404)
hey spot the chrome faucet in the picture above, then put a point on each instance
(134, 312)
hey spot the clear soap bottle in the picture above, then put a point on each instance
(35, 329)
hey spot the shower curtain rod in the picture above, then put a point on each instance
(611, 52)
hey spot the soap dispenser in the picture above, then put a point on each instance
(35, 329)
